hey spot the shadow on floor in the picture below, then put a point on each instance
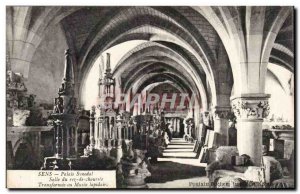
(165, 171)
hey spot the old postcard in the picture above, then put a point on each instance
(150, 97)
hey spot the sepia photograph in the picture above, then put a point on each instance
(150, 97)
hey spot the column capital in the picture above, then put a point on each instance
(221, 112)
(251, 106)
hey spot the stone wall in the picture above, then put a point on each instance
(46, 69)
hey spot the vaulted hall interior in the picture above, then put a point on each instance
(187, 97)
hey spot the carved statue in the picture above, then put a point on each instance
(134, 169)
(119, 117)
(16, 92)
(58, 108)
(15, 81)
(14, 103)
(22, 102)
(50, 122)
(128, 152)
(30, 100)
(62, 88)
(85, 152)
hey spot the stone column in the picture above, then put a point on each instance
(101, 133)
(135, 109)
(92, 127)
(99, 126)
(119, 128)
(119, 150)
(185, 127)
(250, 110)
(126, 132)
(220, 115)
(99, 129)
(105, 126)
(58, 138)
(96, 134)
(139, 106)
(178, 125)
(109, 134)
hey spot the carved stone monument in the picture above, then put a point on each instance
(17, 100)
(64, 121)
(134, 168)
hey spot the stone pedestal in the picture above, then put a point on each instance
(133, 167)
(134, 174)
(250, 110)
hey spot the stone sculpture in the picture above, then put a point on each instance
(134, 168)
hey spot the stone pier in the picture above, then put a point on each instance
(250, 110)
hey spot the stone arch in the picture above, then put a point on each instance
(24, 154)
(180, 20)
(25, 29)
(235, 25)
(140, 84)
(18, 142)
(177, 20)
(154, 49)
(101, 47)
(172, 76)
(270, 40)
(153, 85)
